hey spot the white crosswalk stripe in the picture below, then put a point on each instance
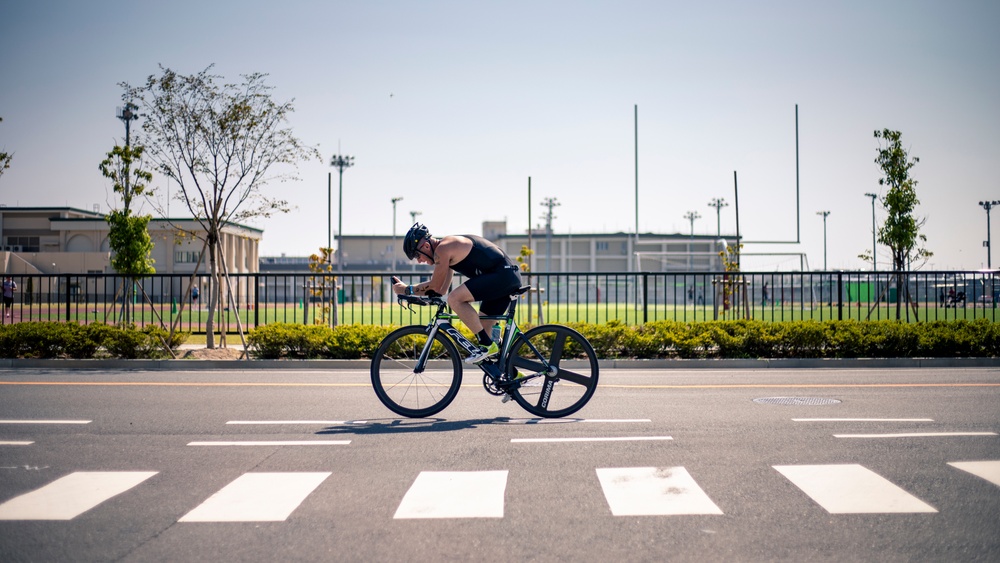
(257, 497)
(628, 491)
(989, 470)
(651, 491)
(852, 489)
(455, 494)
(72, 495)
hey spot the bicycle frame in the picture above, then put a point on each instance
(494, 368)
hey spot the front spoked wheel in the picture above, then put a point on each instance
(558, 368)
(407, 390)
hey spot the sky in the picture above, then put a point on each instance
(453, 105)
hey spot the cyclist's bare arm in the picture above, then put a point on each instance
(451, 250)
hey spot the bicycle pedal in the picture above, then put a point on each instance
(506, 398)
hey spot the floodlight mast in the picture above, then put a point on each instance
(127, 115)
(987, 205)
(718, 203)
(395, 200)
(825, 214)
(341, 162)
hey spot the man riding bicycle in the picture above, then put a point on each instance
(492, 277)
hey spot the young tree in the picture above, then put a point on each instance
(901, 230)
(129, 235)
(221, 144)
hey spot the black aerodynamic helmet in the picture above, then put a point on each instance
(417, 233)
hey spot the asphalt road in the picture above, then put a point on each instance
(899, 465)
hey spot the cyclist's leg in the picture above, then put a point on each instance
(492, 290)
(460, 300)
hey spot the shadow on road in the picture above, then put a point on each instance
(396, 426)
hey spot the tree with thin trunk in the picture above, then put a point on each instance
(222, 144)
(128, 234)
(901, 230)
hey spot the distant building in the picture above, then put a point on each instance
(64, 240)
(587, 252)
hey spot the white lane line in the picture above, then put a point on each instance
(15, 443)
(618, 439)
(72, 495)
(852, 489)
(276, 443)
(916, 435)
(257, 497)
(454, 494)
(989, 470)
(653, 491)
(45, 421)
(863, 420)
(331, 422)
(571, 420)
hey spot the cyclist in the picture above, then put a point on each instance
(492, 277)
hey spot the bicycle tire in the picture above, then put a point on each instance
(576, 371)
(409, 394)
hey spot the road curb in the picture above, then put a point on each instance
(731, 364)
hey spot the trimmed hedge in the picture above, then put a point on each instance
(69, 340)
(614, 340)
(670, 339)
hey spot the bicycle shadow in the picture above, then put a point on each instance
(417, 425)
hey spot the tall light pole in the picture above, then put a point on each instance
(987, 205)
(341, 162)
(413, 221)
(874, 247)
(393, 250)
(127, 115)
(691, 216)
(549, 202)
(825, 214)
(718, 203)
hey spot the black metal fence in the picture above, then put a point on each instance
(631, 298)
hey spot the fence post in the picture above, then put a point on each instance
(68, 306)
(256, 300)
(840, 296)
(645, 298)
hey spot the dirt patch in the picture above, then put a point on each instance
(213, 354)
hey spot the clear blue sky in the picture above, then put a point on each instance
(453, 105)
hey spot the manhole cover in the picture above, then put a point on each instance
(808, 401)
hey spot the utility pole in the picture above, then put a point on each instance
(392, 251)
(549, 202)
(825, 214)
(341, 162)
(718, 203)
(413, 216)
(874, 246)
(987, 205)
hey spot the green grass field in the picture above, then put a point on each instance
(393, 314)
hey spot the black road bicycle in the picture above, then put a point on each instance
(550, 370)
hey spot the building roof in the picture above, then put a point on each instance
(96, 215)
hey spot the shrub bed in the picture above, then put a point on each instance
(614, 340)
(670, 339)
(69, 340)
